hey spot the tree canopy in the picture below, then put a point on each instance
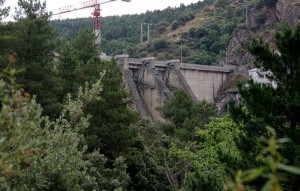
(275, 106)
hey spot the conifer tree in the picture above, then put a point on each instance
(111, 130)
(78, 61)
(276, 106)
(186, 115)
(35, 49)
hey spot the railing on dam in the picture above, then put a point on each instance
(203, 67)
(134, 63)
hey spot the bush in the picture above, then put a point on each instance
(185, 18)
(201, 32)
(163, 23)
(192, 32)
(216, 47)
(175, 24)
(161, 29)
(206, 41)
(159, 44)
(228, 27)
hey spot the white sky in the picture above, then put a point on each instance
(112, 8)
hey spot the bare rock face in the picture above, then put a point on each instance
(237, 49)
(262, 16)
(261, 22)
(288, 11)
(262, 19)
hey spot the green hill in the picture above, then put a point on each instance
(201, 31)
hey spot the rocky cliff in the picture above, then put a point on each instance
(261, 21)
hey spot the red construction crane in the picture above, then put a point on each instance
(96, 14)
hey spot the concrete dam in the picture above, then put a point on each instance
(151, 82)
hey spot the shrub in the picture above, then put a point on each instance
(159, 44)
(175, 24)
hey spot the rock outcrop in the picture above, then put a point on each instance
(262, 18)
(288, 11)
(237, 49)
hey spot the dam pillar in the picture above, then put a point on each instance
(123, 61)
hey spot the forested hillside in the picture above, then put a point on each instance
(67, 121)
(203, 31)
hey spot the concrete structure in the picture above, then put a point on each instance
(152, 82)
(261, 77)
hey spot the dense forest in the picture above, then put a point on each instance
(67, 121)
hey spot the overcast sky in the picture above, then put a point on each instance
(113, 8)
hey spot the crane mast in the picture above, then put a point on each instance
(96, 15)
(97, 25)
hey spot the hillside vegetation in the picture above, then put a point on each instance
(203, 31)
(67, 121)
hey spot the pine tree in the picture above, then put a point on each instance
(277, 106)
(186, 115)
(35, 49)
(111, 129)
(78, 62)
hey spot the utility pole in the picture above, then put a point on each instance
(142, 33)
(148, 32)
(226, 55)
(123, 38)
(180, 53)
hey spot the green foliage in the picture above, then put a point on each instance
(217, 150)
(186, 17)
(3, 11)
(35, 49)
(220, 3)
(78, 62)
(203, 163)
(201, 32)
(201, 57)
(283, 101)
(270, 3)
(275, 107)
(187, 115)
(177, 109)
(210, 31)
(204, 181)
(37, 153)
(83, 46)
(272, 169)
(161, 29)
(163, 23)
(159, 44)
(114, 131)
(175, 24)
(114, 178)
(111, 129)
